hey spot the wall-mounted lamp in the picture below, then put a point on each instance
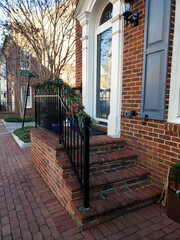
(127, 13)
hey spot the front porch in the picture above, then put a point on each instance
(117, 183)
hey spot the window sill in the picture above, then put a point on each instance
(173, 126)
(175, 120)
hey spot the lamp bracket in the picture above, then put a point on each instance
(133, 19)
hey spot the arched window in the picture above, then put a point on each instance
(107, 14)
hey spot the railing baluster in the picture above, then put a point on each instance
(35, 106)
(68, 135)
(71, 137)
(77, 149)
(52, 112)
(60, 116)
(86, 162)
(81, 158)
(39, 111)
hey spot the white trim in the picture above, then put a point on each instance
(103, 28)
(20, 143)
(30, 97)
(176, 120)
(114, 119)
(101, 120)
(83, 18)
(174, 101)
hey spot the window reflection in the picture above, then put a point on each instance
(104, 55)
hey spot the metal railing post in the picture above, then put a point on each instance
(35, 106)
(86, 162)
(25, 105)
(39, 110)
(60, 115)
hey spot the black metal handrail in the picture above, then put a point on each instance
(52, 113)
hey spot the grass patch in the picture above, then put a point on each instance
(23, 133)
(14, 118)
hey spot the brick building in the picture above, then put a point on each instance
(144, 76)
(130, 84)
(18, 59)
(36, 44)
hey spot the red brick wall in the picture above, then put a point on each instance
(44, 155)
(78, 53)
(156, 143)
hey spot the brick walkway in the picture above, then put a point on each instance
(28, 209)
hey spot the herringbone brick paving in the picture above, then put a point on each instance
(28, 209)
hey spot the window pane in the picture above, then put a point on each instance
(107, 13)
(104, 60)
(29, 99)
(25, 59)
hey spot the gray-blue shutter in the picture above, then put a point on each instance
(156, 47)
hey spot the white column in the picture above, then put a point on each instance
(114, 119)
(86, 89)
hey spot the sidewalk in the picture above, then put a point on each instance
(28, 209)
(13, 126)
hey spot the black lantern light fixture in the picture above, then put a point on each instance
(127, 13)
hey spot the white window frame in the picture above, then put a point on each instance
(174, 100)
(105, 26)
(29, 106)
(23, 61)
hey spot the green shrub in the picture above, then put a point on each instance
(12, 118)
(23, 133)
(29, 119)
(25, 137)
(174, 176)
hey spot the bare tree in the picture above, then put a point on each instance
(46, 28)
(9, 55)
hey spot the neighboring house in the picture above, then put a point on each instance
(3, 80)
(144, 76)
(20, 56)
(17, 60)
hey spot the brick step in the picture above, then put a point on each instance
(115, 189)
(103, 143)
(115, 159)
(99, 162)
(113, 203)
(99, 143)
(101, 182)
(100, 127)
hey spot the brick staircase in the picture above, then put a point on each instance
(117, 184)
